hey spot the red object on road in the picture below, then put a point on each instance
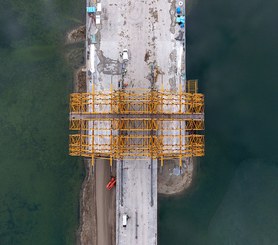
(111, 183)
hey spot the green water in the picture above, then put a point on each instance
(39, 182)
(232, 49)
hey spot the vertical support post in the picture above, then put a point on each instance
(111, 164)
(93, 160)
(161, 164)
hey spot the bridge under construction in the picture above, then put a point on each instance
(141, 125)
(131, 123)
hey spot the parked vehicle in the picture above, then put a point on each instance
(125, 55)
(125, 218)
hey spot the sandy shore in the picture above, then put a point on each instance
(106, 204)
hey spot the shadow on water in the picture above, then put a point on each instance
(39, 188)
(232, 50)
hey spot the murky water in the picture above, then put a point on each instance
(232, 49)
(39, 190)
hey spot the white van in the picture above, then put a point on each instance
(125, 218)
(98, 7)
(125, 55)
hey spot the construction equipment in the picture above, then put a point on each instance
(111, 183)
(129, 124)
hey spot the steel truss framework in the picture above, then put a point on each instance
(137, 124)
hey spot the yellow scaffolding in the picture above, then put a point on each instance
(192, 86)
(137, 102)
(137, 124)
(132, 146)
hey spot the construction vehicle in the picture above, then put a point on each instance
(111, 183)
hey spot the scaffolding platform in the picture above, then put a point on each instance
(131, 124)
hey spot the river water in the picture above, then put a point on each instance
(232, 50)
(39, 182)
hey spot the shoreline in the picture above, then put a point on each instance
(86, 232)
(87, 229)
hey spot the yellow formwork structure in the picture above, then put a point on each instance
(130, 124)
(137, 124)
(136, 102)
(192, 86)
(132, 146)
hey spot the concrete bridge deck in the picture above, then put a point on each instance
(136, 197)
(149, 32)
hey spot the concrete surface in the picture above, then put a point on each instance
(147, 29)
(136, 196)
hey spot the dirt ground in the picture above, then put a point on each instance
(97, 207)
(106, 205)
